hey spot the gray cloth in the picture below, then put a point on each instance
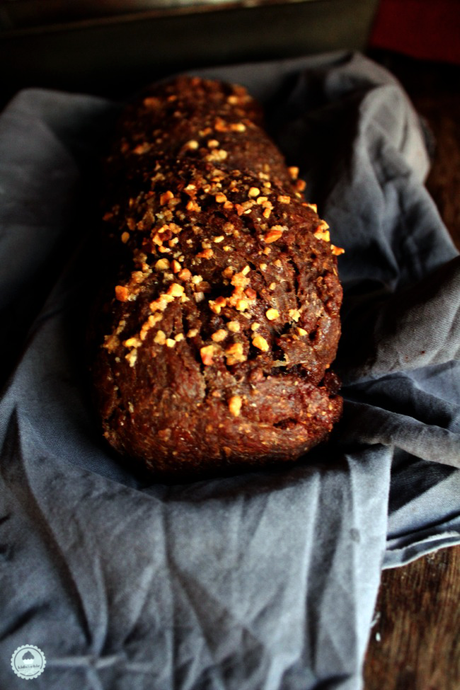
(267, 580)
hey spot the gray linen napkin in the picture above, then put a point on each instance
(267, 580)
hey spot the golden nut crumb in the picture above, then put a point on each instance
(301, 331)
(220, 198)
(192, 144)
(242, 304)
(176, 267)
(337, 251)
(219, 335)
(213, 143)
(179, 337)
(272, 314)
(237, 126)
(160, 338)
(125, 237)
(283, 199)
(233, 326)
(272, 235)
(192, 332)
(162, 265)
(165, 197)
(170, 342)
(253, 192)
(121, 293)
(207, 353)
(260, 342)
(293, 172)
(176, 290)
(184, 274)
(234, 405)
(294, 314)
(255, 326)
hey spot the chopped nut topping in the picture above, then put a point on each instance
(254, 191)
(237, 126)
(179, 337)
(184, 274)
(322, 234)
(255, 326)
(260, 342)
(193, 206)
(234, 405)
(207, 353)
(111, 342)
(220, 198)
(219, 335)
(283, 199)
(176, 290)
(121, 293)
(176, 267)
(192, 144)
(272, 286)
(217, 155)
(263, 267)
(213, 143)
(267, 213)
(206, 254)
(192, 332)
(131, 357)
(274, 234)
(170, 342)
(162, 264)
(272, 314)
(233, 326)
(132, 342)
(242, 304)
(218, 239)
(294, 314)
(142, 148)
(337, 251)
(196, 280)
(125, 237)
(234, 354)
(160, 338)
(165, 197)
(301, 331)
(293, 172)
(250, 293)
(300, 185)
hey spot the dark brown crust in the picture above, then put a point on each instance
(214, 348)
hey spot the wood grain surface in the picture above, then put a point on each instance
(415, 639)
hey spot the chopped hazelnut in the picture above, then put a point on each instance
(218, 239)
(255, 326)
(207, 353)
(160, 338)
(121, 293)
(337, 251)
(272, 314)
(253, 192)
(294, 314)
(125, 237)
(165, 197)
(273, 234)
(283, 199)
(192, 144)
(192, 332)
(184, 274)
(220, 198)
(301, 331)
(170, 342)
(179, 337)
(260, 342)
(162, 264)
(205, 254)
(237, 126)
(242, 304)
(213, 143)
(176, 267)
(234, 405)
(233, 326)
(176, 290)
(219, 335)
(293, 172)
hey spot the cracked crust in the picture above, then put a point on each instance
(214, 343)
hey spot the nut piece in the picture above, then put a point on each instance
(234, 405)
(219, 335)
(233, 326)
(207, 353)
(121, 293)
(260, 342)
(272, 314)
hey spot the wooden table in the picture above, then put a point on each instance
(415, 639)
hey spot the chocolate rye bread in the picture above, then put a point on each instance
(213, 343)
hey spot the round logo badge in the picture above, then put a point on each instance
(28, 661)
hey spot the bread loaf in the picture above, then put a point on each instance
(214, 343)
